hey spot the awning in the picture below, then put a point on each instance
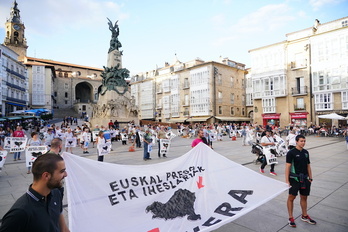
(2, 119)
(28, 116)
(15, 104)
(236, 119)
(198, 119)
(13, 118)
(178, 119)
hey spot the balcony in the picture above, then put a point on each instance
(302, 90)
(15, 86)
(299, 64)
(299, 107)
(185, 103)
(16, 100)
(16, 73)
(185, 86)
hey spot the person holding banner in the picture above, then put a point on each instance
(267, 141)
(68, 135)
(18, 133)
(34, 141)
(161, 134)
(100, 140)
(298, 175)
(147, 144)
(40, 208)
(48, 137)
(86, 140)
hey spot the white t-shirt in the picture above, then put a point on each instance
(266, 139)
(291, 139)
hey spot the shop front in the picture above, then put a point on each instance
(272, 119)
(299, 118)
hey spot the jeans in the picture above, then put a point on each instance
(146, 153)
(17, 155)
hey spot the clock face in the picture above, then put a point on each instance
(16, 27)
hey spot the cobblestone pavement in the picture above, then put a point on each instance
(327, 204)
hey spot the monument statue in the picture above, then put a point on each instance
(115, 101)
(115, 31)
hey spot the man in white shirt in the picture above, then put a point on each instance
(291, 139)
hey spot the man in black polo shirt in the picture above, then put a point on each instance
(40, 208)
(298, 174)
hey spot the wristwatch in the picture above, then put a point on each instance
(310, 179)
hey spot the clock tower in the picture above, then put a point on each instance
(14, 27)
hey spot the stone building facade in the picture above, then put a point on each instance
(70, 85)
(305, 76)
(195, 91)
(13, 82)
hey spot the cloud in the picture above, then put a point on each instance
(56, 17)
(316, 4)
(266, 19)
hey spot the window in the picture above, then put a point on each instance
(66, 102)
(220, 95)
(344, 96)
(232, 81)
(66, 94)
(243, 112)
(268, 105)
(232, 98)
(66, 86)
(186, 83)
(323, 101)
(232, 111)
(300, 105)
(60, 74)
(219, 79)
(55, 94)
(65, 74)
(220, 109)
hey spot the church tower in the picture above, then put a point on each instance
(14, 27)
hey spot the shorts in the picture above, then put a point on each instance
(296, 187)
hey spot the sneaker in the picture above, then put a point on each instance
(262, 171)
(273, 173)
(292, 222)
(308, 220)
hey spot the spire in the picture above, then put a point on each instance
(15, 17)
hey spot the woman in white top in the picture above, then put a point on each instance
(34, 141)
(100, 140)
(68, 135)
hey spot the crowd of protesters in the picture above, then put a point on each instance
(134, 134)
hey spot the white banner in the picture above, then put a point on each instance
(95, 135)
(104, 148)
(32, 152)
(7, 143)
(70, 142)
(60, 135)
(270, 157)
(18, 144)
(213, 137)
(164, 146)
(124, 137)
(3, 156)
(170, 135)
(199, 191)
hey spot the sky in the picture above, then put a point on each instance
(154, 32)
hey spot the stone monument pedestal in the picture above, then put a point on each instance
(113, 106)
